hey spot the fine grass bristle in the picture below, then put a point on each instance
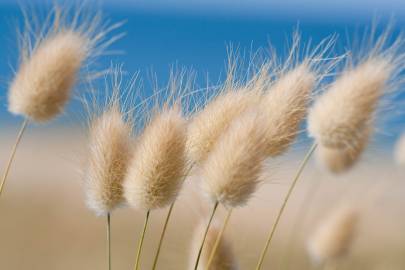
(231, 172)
(235, 96)
(156, 171)
(334, 236)
(208, 125)
(109, 155)
(50, 62)
(224, 259)
(340, 116)
(285, 106)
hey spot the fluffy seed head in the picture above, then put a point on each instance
(285, 106)
(400, 151)
(231, 172)
(52, 54)
(109, 155)
(224, 258)
(156, 171)
(339, 160)
(340, 116)
(207, 125)
(333, 237)
(42, 85)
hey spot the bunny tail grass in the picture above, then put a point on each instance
(140, 244)
(216, 244)
(109, 240)
(55, 56)
(205, 235)
(12, 155)
(162, 235)
(334, 236)
(156, 171)
(280, 213)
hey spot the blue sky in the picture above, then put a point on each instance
(194, 34)
(261, 8)
(320, 8)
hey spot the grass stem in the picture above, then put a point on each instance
(281, 211)
(205, 234)
(218, 240)
(13, 152)
(300, 219)
(140, 245)
(109, 240)
(169, 213)
(162, 235)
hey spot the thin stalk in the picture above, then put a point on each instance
(109, 240)
(138, 255)
(13, 152)
(169, 214)
(218, 240)
(205, 235)
(281, 211)
(297, 221)
(162, 236)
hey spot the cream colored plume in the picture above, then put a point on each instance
(224, 259)
(109, 155)
(340, 116)
(338, 160)
(156, 171)
(400, 151)
(208, 125)
(51, 62)
(285, 106)
(43, 83)
(334, 236)
(231, 172)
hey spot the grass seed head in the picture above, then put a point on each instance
(333, 238)
(340, 116)
(156, 171)
(208, 125)
(339, 160)
(50, 62)
(231, 172)
(285, 106)
(109, 155)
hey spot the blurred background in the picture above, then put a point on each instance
(44, 223)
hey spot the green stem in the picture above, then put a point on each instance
(109, 240)
(140, 245)
(281, 211)
(218, 240)
(205, 235)
(13, 152)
